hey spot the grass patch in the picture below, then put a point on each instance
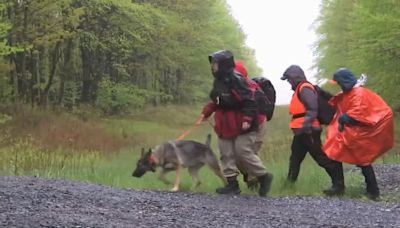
(23, 158)
(54, 131)
(112, 154)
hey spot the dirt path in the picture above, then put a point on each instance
(35, 202)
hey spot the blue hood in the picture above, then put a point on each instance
(345, 78)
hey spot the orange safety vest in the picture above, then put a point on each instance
(298, 110)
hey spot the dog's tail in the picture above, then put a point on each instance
(213, 163)
(212, 160)
(208, 140)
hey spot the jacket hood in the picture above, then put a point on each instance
(345, 78)
(240, 68)
(295, 75)
(225, 60)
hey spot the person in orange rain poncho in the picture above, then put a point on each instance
(361, 130)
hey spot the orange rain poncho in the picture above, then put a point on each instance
(362, 143)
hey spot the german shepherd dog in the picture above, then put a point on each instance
(175, 155)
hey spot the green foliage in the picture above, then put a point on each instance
(363, 36)
(69, 48)
(115, 98)
(5, 87)
(4, 118)
(5, 27)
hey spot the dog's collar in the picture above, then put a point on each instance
(152, 159)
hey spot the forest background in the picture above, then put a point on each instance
(80, 80)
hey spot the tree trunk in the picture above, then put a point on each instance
(24, 87)
(54, 62)
(35, 80)
(86, 77)
(178, 86)
(12, 57)
(14, 77)
(66, 70)
(24, 82)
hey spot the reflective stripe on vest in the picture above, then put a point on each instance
(298, 110)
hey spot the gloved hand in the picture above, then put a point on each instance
(344, 119)
(307, 128)
(245, 126)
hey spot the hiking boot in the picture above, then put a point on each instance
(334, 190)
(336, 174)
(373, 196)
(265, 184)
(370, 181)
(232, 188)
(252, 184)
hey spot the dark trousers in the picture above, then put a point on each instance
(311, 143)
(370, 179)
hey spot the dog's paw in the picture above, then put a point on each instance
(175, 189)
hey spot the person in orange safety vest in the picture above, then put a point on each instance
(307, 131)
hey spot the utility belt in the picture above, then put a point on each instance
(296, 116)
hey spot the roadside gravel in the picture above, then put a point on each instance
(36, 202)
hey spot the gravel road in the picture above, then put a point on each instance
(37, 202)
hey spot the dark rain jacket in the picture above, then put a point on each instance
(232, 99)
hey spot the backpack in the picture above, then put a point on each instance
(326, 112)
(265, 96)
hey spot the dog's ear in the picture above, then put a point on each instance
(142, 153)
(149, 152)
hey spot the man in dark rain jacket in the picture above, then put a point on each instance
(307, 131)
(236, 123)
